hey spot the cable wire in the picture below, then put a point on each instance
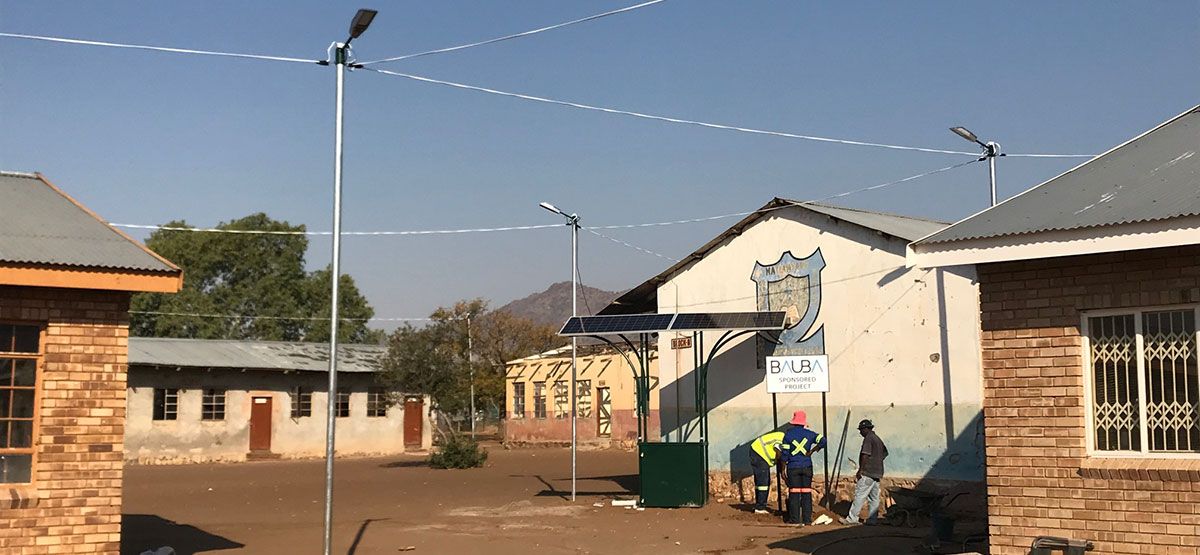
(344, 233)
(632, 246)
(667, 118)
(516, 35)
(249, 317)
(160, 48)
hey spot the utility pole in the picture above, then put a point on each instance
(471, 370)
(573, 221)
(358, 25)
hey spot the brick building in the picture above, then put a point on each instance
(65, 282)
(1089, 298)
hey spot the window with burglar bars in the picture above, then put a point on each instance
(518, 404)
(212, 405)
(562, 400)
(301, 402)
(376, 402)
(166, 404)
(20, 362)
(539, 399)
(583, 399)
(1145, 382)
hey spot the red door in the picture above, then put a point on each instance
(414, 409)
(260, 424)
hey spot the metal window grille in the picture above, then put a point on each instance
(376, 403)
(212, 405)
(343, 404)
(518, 400)
(583, 400)
(301, 402)
(1145, 382)
(539, 400)
(562, 399)
(19, 366)
(166, 404)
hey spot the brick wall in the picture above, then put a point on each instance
(1040, 479)
(75, 503)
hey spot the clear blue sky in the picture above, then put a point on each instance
(146, 137)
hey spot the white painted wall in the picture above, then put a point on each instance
(882, 323)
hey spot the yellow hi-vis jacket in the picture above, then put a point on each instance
(767, 446)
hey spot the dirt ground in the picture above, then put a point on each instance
(518, 503)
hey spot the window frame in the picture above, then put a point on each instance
(204, 402)
(297, 409)
(1144, 451)
(337, 404)
(167, 416)
(564, 387)
(583, 390)
(377, 405)
(36, 428)
(542, 398)
(518, 400)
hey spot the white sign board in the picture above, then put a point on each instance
(798, 374)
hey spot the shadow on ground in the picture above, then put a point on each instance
(853, 541)
(148, 532)
(406, 464)
(626, 485)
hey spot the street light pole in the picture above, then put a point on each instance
(573, 221)
(991, 150)
(358, 25)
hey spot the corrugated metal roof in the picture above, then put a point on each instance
(1155, 176)
(644, 297)
(904, 227)
(42, 225)
(251, 355)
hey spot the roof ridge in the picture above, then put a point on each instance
(248, 341)
(803, 203)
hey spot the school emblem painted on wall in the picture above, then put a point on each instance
(792, 285)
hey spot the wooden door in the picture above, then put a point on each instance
(604, 412)
(260, 424)
(414, 409)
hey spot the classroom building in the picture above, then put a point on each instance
(195, 400)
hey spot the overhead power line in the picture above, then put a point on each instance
(630, 245)
(516, 35)
(160, 48)
(251, 317)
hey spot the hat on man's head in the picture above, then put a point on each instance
(867, 424)
(800, 418)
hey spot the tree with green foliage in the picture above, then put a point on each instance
(255, 282)
(432, 359)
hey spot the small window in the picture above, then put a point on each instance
(518, 400)
(18, 410)
(301, 402)
(539, 399)
(561, 399)
(212, 406)
(377, 403)
(343, 404)
(583, 398)
(166, 404)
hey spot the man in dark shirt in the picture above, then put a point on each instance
(870, 473)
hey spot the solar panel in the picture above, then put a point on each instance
(622, 323)
(698, 321)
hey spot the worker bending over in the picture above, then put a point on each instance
(799, 445)
(764, 454)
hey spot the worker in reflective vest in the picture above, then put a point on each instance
(764, 454)
(799, 445)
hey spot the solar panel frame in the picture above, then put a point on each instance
(710, 321)
(616, 324)
(685, 321)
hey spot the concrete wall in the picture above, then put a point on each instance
(903, 346)
(190, 439)
(603, 370)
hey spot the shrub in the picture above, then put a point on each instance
(458, 451)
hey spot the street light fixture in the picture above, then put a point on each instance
(358, 25)
(990, 151)
(573, 221)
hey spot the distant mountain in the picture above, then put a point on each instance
(553, 306)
